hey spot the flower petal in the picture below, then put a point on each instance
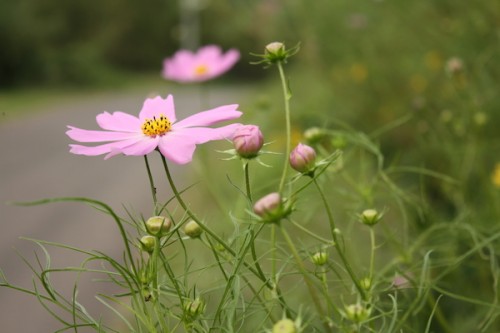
(154, 107)
(141, 147)
(177, 147)
(204, 134)
(92, 151)
(210, 117)
(82, 135)
(118, 121)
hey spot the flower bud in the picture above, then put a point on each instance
(285, 326)
(148, 243)
(370, 217)
(248, 141)
(270, 208)
(303, 158)
(314, 135)
(158, 225)
(454, 66)
(275, 48)
(194, 308)
(357, 313)
(193, 229)
(320, 258)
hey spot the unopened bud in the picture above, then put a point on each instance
(158, 225)
(357, 313)
(270, 208)
(285, 326)
(148, 243)
(275, 48)
(194, 308)
(320, 258)
(248, 141)
(303, 159)
(454, 66)
(370, 217)
(314, 135)
(193, 229)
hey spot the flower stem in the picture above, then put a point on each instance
(266, 282)
(152, 185)
(247, 182)
(336, 244)
(372, 254)
(303, 271)
(286, 95)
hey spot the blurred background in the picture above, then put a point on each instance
(421, 77)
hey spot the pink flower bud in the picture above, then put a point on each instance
(268, 204)
(303, 158)
(248, 141)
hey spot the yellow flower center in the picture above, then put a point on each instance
(156, 126)
(201, 70)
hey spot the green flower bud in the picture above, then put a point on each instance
(357, 313)
(193, 229)
(320, 258)
(194, 308)
(158, 225)
(366, 283)
(285, 326)
(370, 217)
(314, 135)
(148, 243)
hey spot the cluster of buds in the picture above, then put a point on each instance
(156, 227)
(271, 208)
(303, 159)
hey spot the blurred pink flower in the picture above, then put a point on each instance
(155, 128)
(209, 62)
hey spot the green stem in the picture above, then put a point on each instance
(372, 254)
(337, 245)
(152, 185)
(247, 182)
(303, 271)
(217, 238)
(286, 96)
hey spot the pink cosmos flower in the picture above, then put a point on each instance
(208, 63)
(155, 128)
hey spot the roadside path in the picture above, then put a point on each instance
(35, 163)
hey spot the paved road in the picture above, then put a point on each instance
(35, 163)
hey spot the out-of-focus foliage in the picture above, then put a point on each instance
(80, 41)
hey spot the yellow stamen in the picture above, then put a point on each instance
(201, 70)
(156, 126)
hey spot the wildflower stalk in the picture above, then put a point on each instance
(153, 273)
(218, 239)
(247, 182)
(336, 244)
(372, 254)
(151, 183)
(303, 271)
(286, 95)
